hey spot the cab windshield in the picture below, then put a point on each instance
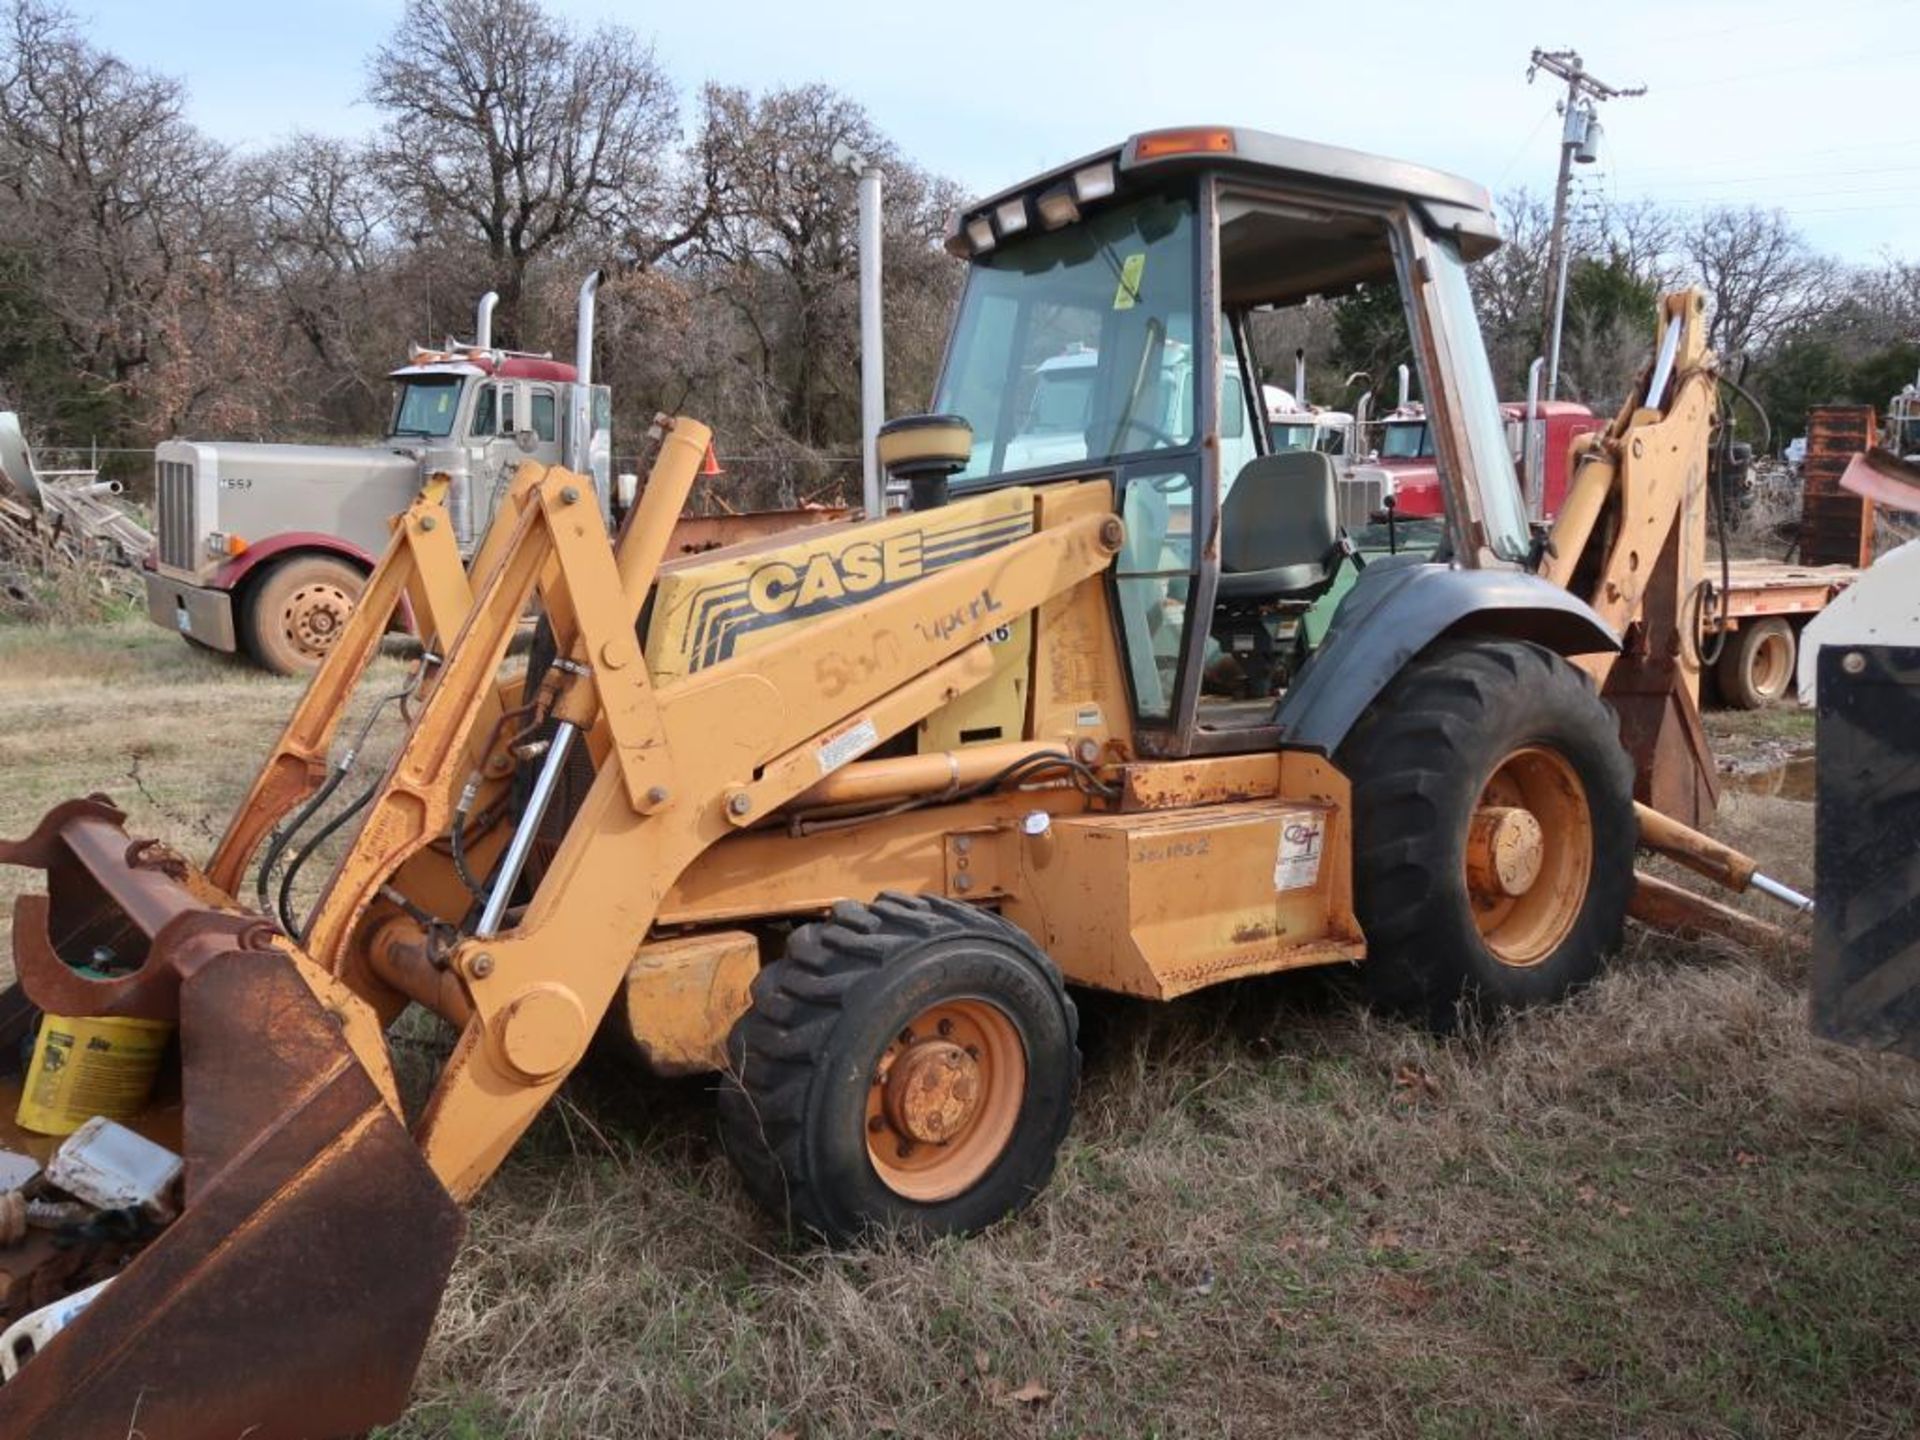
(426, 406)
(1077, 346)
(1406, 440)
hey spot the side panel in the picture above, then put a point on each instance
(1162, 903)
(1395, 611)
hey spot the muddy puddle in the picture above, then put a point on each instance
(1788, 777)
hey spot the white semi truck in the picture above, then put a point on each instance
(263, 549)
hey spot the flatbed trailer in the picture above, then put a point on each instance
(1752, 632)
(1749, 638)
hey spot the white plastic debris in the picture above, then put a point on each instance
(17, 1171)
(112, 1168)
(27, 1337)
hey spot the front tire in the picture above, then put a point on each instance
(297, 610)
(1493, 828)
(908, 1064)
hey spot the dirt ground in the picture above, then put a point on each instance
(1663, 1209)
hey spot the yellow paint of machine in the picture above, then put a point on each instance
(1158, 904)
(681, 996)
(735, 600)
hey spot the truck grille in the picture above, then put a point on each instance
(177, 512)
(1360, 496)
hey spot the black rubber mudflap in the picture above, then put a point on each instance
(1866, 933)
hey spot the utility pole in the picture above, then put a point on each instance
(1579, 140)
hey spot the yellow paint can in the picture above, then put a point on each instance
(96, 1065)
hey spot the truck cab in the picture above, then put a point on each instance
(264, 548)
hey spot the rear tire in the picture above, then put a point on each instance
(294, 613)
(842, 1117)
(1756, 666)
(1493, 831)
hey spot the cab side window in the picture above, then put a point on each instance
(486, 413)
(543, 414)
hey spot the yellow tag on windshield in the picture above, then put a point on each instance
(1127, 295)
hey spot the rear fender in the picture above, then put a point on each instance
(1396, 610)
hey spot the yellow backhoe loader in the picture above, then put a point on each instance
(839, 816)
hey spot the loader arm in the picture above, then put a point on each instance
(307, 1195)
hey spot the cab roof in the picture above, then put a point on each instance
(1449, 205)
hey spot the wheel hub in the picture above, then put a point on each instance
(932, 1091)
(1505, 851)
(315, 617)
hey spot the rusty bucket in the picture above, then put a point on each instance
(292, 1296)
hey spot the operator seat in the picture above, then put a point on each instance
(1280, 530)
(1280, 550)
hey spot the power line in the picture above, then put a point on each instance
(1799, 70)
(1783, 175)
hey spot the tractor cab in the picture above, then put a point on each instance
(1104, 331)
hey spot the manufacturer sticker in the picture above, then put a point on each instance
(1303, 835)
(843, 747)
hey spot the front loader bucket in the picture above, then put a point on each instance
(292, 1296)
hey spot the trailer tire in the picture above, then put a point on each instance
(291, 615)
(1493, 831)
(1756, 664)
(842, 1118)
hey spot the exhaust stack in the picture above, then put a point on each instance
(483, 321)
(581, 417)
(1406, 385)
(1300, 377)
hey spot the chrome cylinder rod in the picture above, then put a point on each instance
(515, 859)
(1785, 894)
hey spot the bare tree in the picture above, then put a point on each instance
(122, 206)
(506, 122)
(1510, 288)
(324, 249)
(779, 248)
(1761, 279)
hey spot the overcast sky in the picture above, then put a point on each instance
(1805, 106)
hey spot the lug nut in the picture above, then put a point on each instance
(946, 1028)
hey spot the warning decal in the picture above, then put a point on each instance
(848, 743)
(1303, 835)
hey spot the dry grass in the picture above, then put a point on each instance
(1661, 1210)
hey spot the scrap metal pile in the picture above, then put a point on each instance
(61, 533)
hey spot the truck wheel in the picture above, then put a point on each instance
(909, 1063)
(297, 610)
(1493, 831)
(1756, 667)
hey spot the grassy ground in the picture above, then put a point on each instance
(1660, 1210)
